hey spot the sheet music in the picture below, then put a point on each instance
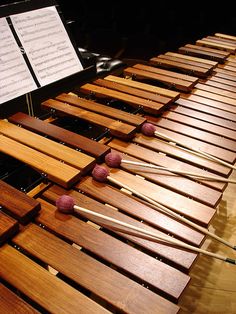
(16, 78)
(47, 45)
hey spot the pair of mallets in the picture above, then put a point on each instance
(66, 204)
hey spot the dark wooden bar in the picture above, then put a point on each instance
(18, 204)
(80, 233)
(53, 131)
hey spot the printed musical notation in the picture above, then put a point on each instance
(46, 45)
(16, 78)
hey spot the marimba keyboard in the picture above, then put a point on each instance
(51, 262)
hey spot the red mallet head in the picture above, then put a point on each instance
(148, 129)
(113, 160)
(100, 173)
(65, 204)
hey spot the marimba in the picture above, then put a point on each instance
(56, 263)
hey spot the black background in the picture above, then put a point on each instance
(135, 29)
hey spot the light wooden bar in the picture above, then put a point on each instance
(91, 274)
(221, 40)
(44, 288)
(215, 104)
(175, 182)
(102, 109)
(219, 90)
(202, 125)
(204, 52)
(185, 206)
(145, 87)
(159, 145)
(185, 65)
(213, 144)
(225, 83)
(202, 62)
(219, 86)
(18, 204)
(117, 128)
(8, 227)
(204, 113)
(72, 139)
(135, 207)
(225, 74)
(149, 106)
(49, 147)
(211, 95)
(133, 91)
(53, 169)
(178, 81)
(211, 44)
(171, 254)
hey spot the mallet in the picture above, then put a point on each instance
(114, 160)
(149, 129)
(66, 205)
(101, 174)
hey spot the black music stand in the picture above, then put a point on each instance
(30, 102)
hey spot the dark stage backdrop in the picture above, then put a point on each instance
(134, 29)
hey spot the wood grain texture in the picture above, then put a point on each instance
(165, 178)
(221, 35)
(44, 288)
(180, 76)
(170, 62)
(8, 227)
(142, 86)
(172, 150)
(200, 135)
(175, 255)
(226, 82)
(142, 211)
(210, 53)
(102, 109)
(202, 125)
(18, 204)
(54, 170)
(133, 91)
(175, 133)
(149, 106)
(226, 54)
(215, 104)
(208, 43)
(229, 66)
(201, 62)
(11, 303)
(145, 73)
(221, 40)
(220, 86)
(212, 95)
(90, 273)
(49, 147)
(205, 113)
(225, 74)
(185, 206)
(87, 145)
(116, 128)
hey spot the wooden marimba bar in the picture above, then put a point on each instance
(56, 263)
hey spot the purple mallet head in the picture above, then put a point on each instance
(113, 160)
(100, 173)
(65, 204)
(148, 129)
